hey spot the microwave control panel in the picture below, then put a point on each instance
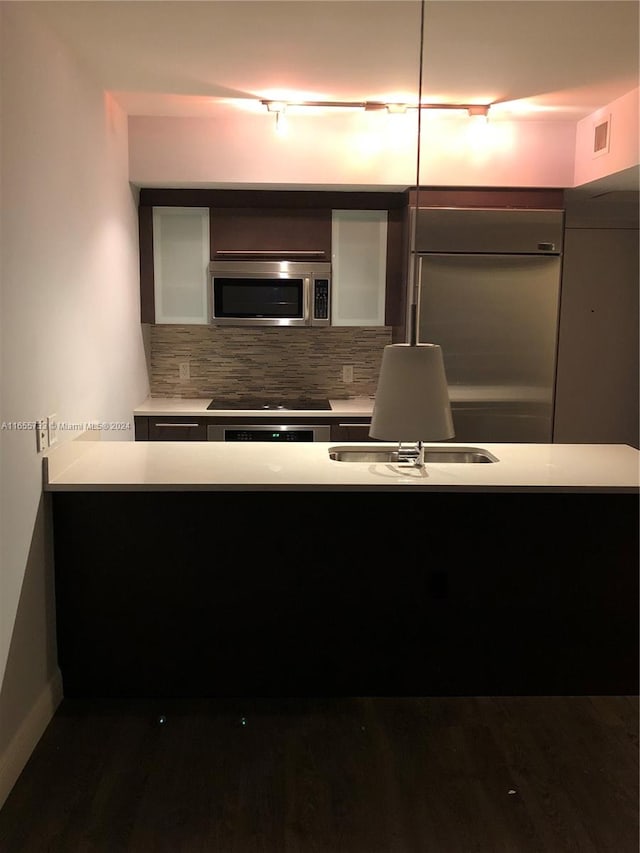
(321, 299)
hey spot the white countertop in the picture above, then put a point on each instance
(348, 407)
(242, 466)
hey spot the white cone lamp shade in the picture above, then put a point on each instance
(412, 398)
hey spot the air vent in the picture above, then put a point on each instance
(601, 137)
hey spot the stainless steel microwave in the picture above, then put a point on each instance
(269, 293)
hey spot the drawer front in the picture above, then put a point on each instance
(177, 429)
(351, 429)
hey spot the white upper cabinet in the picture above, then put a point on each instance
(359, 267)
(181, 252)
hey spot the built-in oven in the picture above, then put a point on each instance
(268, 432)
(288, 419)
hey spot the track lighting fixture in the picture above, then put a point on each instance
(391, 107)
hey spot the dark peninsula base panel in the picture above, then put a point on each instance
(166, 594)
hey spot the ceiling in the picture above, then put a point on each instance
(564, 59)
(552, 60)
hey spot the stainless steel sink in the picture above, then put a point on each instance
(393, 455)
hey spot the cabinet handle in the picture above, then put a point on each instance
(185, 426)
(357, 425)
(277, 253)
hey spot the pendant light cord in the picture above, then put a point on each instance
(413, 317)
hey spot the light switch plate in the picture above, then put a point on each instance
(52, 430)
(41, 435)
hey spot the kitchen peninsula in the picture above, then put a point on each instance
(215, 569)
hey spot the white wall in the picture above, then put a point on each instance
(365, 149)
(70, 336)
(624, 140)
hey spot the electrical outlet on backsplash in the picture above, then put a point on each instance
(228, 361)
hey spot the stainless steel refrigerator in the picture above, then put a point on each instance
(489, 294)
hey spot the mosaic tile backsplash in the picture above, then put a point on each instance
(281, 362)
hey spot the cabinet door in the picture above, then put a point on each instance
(177, 429)
(359, 272)
(296, 233)
(180, 261)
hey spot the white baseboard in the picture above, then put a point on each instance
(15, 757)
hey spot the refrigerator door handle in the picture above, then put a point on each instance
(417, 295)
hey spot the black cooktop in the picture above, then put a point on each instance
(269, 404)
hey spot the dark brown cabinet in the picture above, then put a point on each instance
(169, 428)
(180, 603)
(299, 233)
(351, 429)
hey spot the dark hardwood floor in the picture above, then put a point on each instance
(362, 775)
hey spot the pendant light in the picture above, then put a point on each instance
(412, 397)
